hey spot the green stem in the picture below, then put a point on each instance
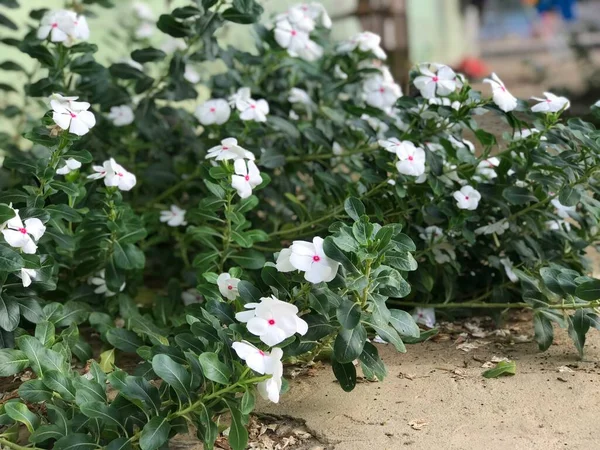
(12, 445)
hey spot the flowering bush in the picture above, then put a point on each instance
(277, 222)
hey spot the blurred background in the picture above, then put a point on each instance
(532, 44)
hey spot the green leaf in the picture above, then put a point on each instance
(10, 261)
(45, 333)
(155, 433)
(148, 54)
(249, 259)
(102, 412)
(333, 252)
(248, 292)
(19, 412)
(503, 368)
(579, 325)
(128, 257)
(9, 313)
(31, 309)
(589, 290)
(58, 382)
(349, 344)
(12, 362)
(208, 430)
(248, 401)
(372, 362)
(173, 374)
(569, 196)
(404, 323)
(171, 26)
(238, 435)
(544, 333)
(388, 334)
(76, 441)
(138, 388)
(354, 208)
(124, 340)
(213, 369)
(6, 22)
(345, 373)
(34, 391)
(518, 195)
(348, 314)
(121, 443)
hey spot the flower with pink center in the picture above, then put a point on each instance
(502, 98)
(71, 164)
(290, 36)
(411, 159)
(310, 258)
(467, 198)
(228, 286)
(272, 320)
(213, 112)
(380, 92)
(63, 26)
(486, 169)
(435, 79)
(551, 104)
(72, 115)
(229, 149)
(23, 235)
(247, 177)
(255, 110)
(121, 115)
(114, 175)
(174, 216)
(311, 51)
(365, 42)
(257, 359)
(424, 316)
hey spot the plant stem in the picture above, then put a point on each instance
(479, 305)
(12, 445)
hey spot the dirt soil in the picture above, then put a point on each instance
(435, 397)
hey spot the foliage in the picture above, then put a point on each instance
(183, 249)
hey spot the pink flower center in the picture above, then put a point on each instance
(76, 22)
(73, 115)
(548, 101)
(294, 32)
(271, 322)
(247, 178)
(410, 158)
(213, 109)
(225, 148)
(120, 174)
(466, 197)
(382, 90)
(435, 79)
(316, 258)
(253, 106)
(261, 353)
(54, 25)
(503, 88)
(23, 230)
(230, 287)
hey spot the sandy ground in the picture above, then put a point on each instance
(438, 388)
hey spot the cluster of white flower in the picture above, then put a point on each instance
(114, 175)
(63, 26)
(249, 108)
(71, 115)
(293, 28)
(247, 176)
(310, 258)
(365, 42)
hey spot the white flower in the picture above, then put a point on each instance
(311, 51)
(485, 169)
(144, 30)
(336, 148)
(71, 115)
(525, 133)
(63, 26)
(306, 14)
(190, 296)
(365, 42)
(255, 358)
(424, 316)
(558, 225)
(175, 216)
(229, 149)
(462, 143)
(249, 108)
(121, 115)
(378, 125)
(270, 389)
(290, 36)
(240, 98)
(443, 253)
(498, 227)
(191, 74)
(551, 104)
(27, 276)
(214, 111)
(561, 210)
(293, 115)
(381, 93)
(130, 62)
(143, 11)
(435, 79)
(272, 320)
(247, 177)
(508, 268)
(299, 96)
(445, 102)
(341, 75)
(412, 159)
(432, 234)
(502, 98)
(467, 198)
(99, 280)
(309, 258)
(114, 175)
(434, 147)
(23, 236)
(70, 165)
(596, 105)
(228, 286)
